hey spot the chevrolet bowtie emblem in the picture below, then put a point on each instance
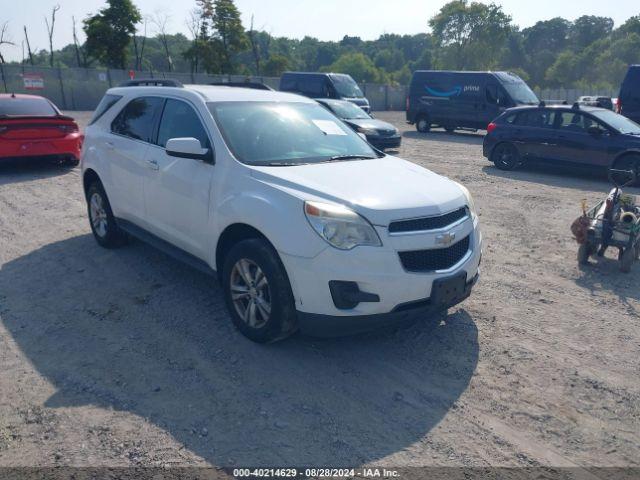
(445, 239)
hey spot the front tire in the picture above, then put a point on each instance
(423, 125)
(257, 292)
(505, 156)
(630, 162)
(103, 223)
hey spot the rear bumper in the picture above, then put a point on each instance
(317, 325)
(68, 146)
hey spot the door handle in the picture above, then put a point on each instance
(153, 164)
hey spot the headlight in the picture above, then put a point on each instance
(471, 204)
(340, 226)
(371, 132)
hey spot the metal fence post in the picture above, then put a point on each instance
(64, 100)
(109, 78)
(386, 98)
(4, 80)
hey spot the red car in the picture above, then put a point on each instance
(32, 126)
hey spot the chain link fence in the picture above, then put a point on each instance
(82, 88)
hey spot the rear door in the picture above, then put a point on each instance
(576, 144)
(177, 190)
(533, 133)
(126, 148)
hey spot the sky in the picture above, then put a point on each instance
(323, 19)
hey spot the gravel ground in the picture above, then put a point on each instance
(121, 358)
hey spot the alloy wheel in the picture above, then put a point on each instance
(250, 293)
(98, 214)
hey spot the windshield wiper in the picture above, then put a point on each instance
(338, 158)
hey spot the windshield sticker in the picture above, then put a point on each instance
(329, 127)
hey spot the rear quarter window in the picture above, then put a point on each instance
(103, 107)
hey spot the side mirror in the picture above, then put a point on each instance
(595, 131)
(187, 148)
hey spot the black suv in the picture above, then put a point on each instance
(586, 136)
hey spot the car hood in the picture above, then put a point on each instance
(382, 190)
(371, 123)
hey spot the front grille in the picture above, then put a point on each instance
(437, 259)
(427, 223)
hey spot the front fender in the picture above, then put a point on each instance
(279, 216)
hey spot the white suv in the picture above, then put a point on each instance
(307, 226)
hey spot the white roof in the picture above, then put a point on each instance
(211, 93)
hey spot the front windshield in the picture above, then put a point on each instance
(348, 111)
(618, 122)
(346, 86)
(284, 134)
(521, 93)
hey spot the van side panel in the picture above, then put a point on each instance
(448, 99)
(630, 94)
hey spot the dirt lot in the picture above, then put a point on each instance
(120, 358)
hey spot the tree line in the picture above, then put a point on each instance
(463, 35)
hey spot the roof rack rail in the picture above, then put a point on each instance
(251, 85)
(152, 82)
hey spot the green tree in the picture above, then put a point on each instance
(228, 37)
(276, 65)
(588, 29)
(471, 34)
(109, 32)
(359, 66)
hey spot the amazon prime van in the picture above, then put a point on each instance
(463, 100)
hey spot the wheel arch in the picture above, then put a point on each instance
(88, 177)
(626, 153)
(233, 234)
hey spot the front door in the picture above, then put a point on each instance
(178, 190)
(578, 141)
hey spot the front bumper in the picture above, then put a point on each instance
(378, 271)
(385, 142)
(330, 325)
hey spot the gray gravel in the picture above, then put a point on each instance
(126, 357)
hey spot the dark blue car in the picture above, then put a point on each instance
(578, 135)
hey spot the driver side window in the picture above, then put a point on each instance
(179, 120)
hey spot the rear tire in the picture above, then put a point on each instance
(257, 292)
(103, 223)
(423, 125)
(505, 156)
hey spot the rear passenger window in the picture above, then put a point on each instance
(137, 118)
(179, 120)
(535, 118)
